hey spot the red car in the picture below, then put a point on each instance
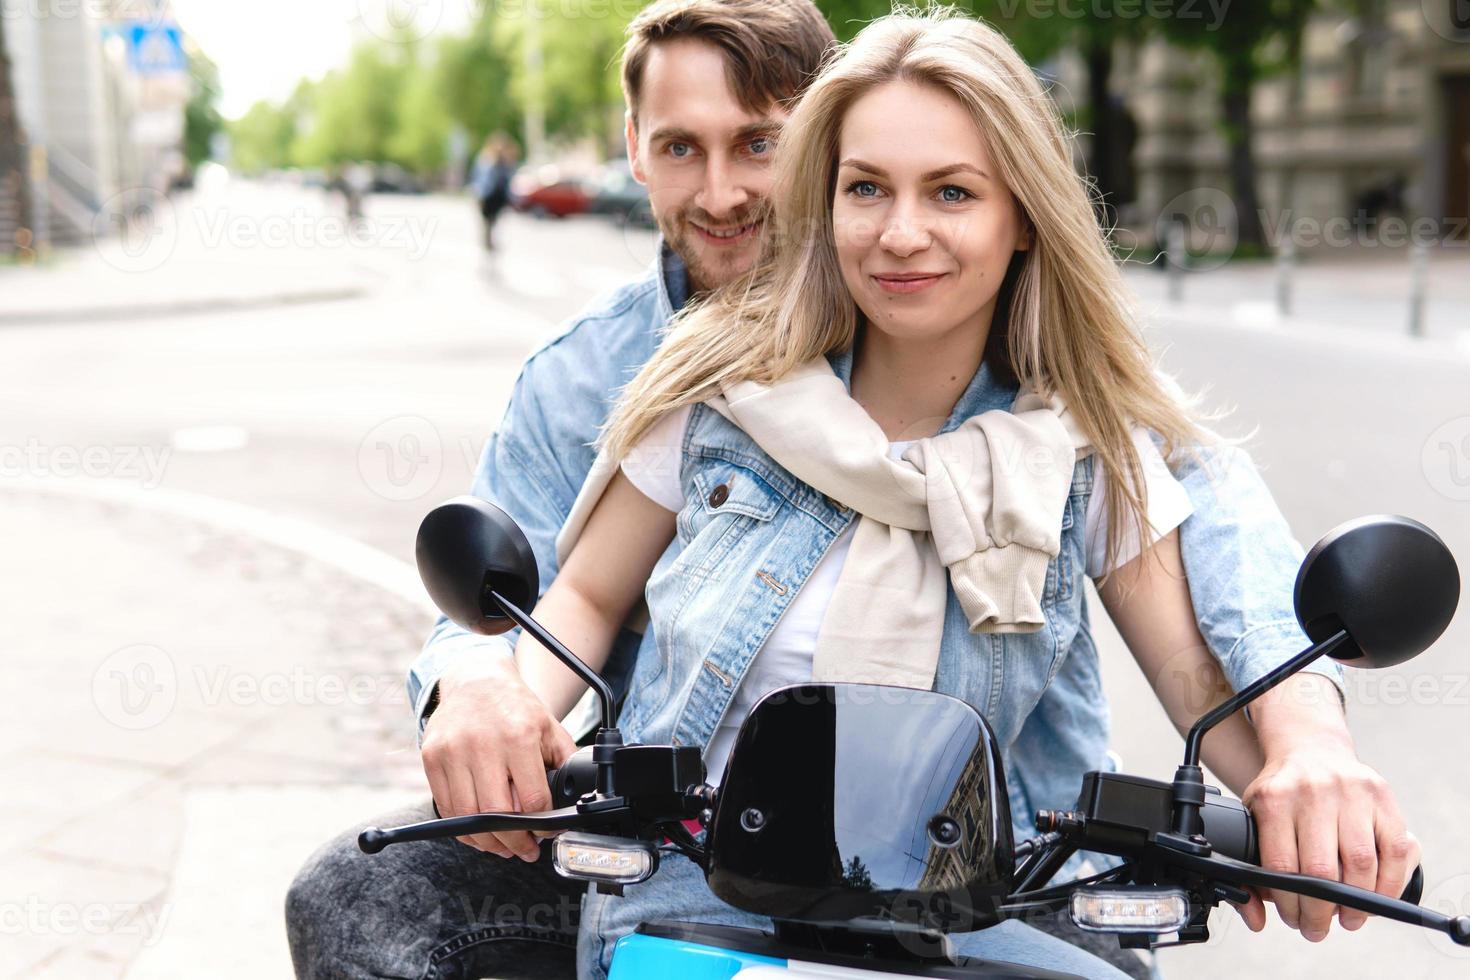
(548, 194)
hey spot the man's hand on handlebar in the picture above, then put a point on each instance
(487, 746)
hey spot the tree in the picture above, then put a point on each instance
(355, 109)
(421, 140)
(201, 113)
(472, 76)
(14, 184)
(261, 139)
(1248, 43)
(855, 875)
(580, 41)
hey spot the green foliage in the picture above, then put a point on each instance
(399, 101)
(1248, 41)
(355, 110)
(261, 139)
(472, 76)
(202, 118)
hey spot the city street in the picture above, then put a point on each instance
(218, 434)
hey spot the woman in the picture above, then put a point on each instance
(892, 452)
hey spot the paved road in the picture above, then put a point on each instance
(208, 516)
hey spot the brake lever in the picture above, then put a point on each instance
(1220, 868)
(372, 840)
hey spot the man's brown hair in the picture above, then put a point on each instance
(772, 48)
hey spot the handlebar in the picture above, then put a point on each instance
(1231, 831)
(573, 779)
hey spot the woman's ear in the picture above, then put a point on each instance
(1027, 237)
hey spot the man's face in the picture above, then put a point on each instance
(705, 158)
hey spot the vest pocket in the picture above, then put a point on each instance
(722, 502)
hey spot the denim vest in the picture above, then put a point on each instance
(739, 558)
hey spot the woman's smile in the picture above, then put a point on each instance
(901, 283)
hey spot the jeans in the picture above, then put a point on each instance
(430, 909)
(438, 909)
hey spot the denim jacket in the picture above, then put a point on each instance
(732, 569)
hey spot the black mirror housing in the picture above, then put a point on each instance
(467, 549)
(1389, 581)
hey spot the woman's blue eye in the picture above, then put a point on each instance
(861, 188)
(959, 194)
(760, 146)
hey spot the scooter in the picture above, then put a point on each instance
(863, 891)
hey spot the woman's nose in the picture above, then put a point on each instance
(903, 236)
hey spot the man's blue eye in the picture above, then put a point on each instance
(959, 194)
(680, 149)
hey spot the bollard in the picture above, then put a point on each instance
(1418, 280)
(1285, 268)
(1176, 257)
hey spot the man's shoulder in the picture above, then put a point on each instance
(615, 329)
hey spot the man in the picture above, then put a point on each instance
(708, 84)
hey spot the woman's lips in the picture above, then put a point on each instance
(724, 239)
(907, 283)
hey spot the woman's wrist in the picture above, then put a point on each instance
(1307, 708)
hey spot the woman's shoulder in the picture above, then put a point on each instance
(653, 463)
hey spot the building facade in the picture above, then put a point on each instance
(1373, 127)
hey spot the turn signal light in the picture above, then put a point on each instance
(1151, 910)
(592, 857)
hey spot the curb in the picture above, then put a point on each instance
(141, 311)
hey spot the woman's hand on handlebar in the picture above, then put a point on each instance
(1320, 811)
(487, 746)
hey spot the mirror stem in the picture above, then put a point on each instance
(594, 680)
(1189, 784)
(1254, 690)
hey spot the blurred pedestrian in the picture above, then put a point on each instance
(351, 182)
(490, 180)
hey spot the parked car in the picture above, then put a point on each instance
(548, 193)
(390, 178)
(621, 197)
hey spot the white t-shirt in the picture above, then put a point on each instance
(786, 658)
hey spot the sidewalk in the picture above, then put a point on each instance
(236, 246)
(166, 774)
(1364, 291)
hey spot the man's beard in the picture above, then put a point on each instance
(681, 237)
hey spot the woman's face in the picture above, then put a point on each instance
(924, 228)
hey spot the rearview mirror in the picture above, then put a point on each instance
(468, 548)
(1388, 580)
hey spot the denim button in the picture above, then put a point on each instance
(719, 495)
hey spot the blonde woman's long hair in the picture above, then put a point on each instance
(1068, 322)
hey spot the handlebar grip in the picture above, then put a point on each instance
(574, 779)
(1231, 830)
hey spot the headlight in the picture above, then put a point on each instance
(592, 857)
(1151, 910)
